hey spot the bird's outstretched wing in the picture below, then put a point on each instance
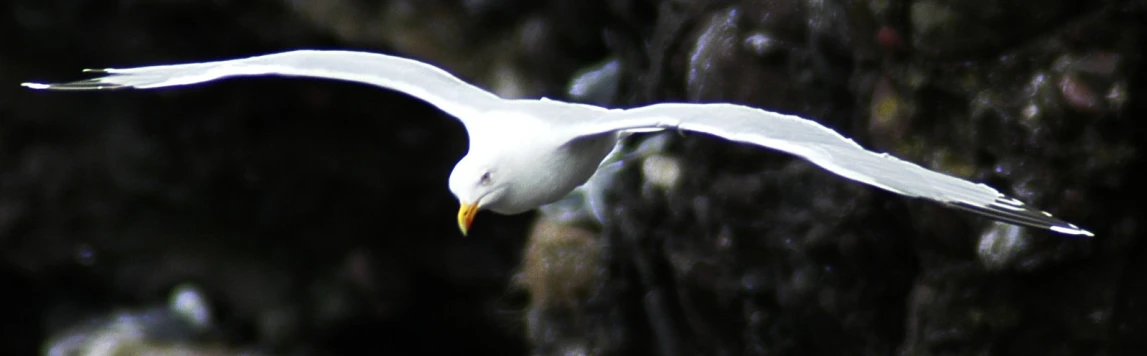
(421, 80)
(831, 151)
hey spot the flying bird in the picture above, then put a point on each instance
(525, 153)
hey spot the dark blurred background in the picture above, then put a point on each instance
(276, 216)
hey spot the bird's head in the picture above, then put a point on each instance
(476, 184)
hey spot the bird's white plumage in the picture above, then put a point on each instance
(539, 150)
(418, 79)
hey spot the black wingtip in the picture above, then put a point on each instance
(90, 84)
(1012, 211)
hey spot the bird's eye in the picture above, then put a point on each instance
(485, 178)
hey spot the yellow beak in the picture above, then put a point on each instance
(466, 216)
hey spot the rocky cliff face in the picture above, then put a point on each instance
(301, 217)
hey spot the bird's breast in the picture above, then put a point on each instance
(559, 169)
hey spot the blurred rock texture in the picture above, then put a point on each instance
(312, 217)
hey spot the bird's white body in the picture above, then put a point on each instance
(553, 165)
(526, 153)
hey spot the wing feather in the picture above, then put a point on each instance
(424, 81)
(831, 151)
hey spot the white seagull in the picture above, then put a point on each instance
(525, 153)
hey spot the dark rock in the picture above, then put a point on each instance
(315, 216)
(823, 266)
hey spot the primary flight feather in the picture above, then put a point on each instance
(526, 153)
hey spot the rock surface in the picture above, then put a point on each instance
(314, 218)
